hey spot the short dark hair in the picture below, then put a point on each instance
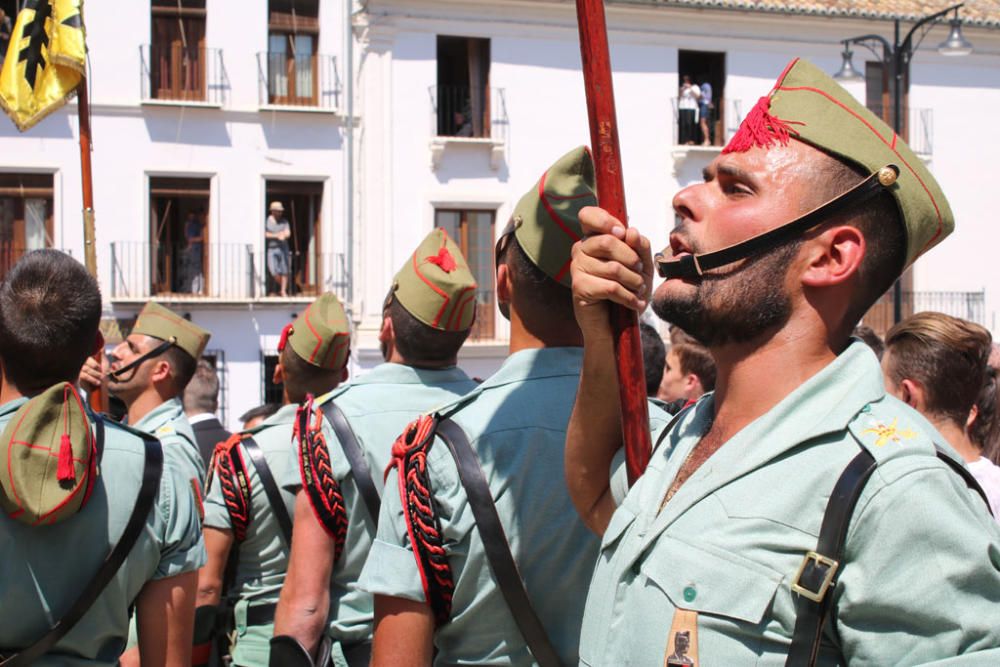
(654, 357)
(50, 311)
(871, 339)
(946, 355)
(985, 429)
(546, 304)
(262, 411)
(302, 378)
(881, 223)
(202, 392)
(696, 359)
(182, 367)
(418, 342)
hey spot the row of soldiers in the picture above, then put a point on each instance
(799, 514)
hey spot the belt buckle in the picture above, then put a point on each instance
(817, 561)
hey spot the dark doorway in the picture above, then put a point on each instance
(463, 87)
(705, 67)
(302, 203)
(178, 235)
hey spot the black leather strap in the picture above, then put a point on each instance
(495, 544)
(692, 266)
(270, 487)
(151, 473)
(261, 614)
(832, 536)
(360, 470)
(964, 473)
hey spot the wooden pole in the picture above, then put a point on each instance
(596, 59)
(98, 398)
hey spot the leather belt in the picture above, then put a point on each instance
(261, 614)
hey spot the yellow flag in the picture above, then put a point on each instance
(45, 61)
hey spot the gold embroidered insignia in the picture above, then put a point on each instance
(891, 433)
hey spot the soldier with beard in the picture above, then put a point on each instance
(799, 472)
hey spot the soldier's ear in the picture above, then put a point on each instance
(505, 286)
(912, 393)
(278, 377)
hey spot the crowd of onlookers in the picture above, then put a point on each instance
(943, 367)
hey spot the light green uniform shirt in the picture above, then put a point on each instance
(43, 569)
(516, 422)
(378, 406)
(168, 423)
(921, 577)
(263, 555)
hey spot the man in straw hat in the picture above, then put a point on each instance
(799, 514)
(433, 573)
(427, 316)
(277, 231)
(248, 516)
(76, 489)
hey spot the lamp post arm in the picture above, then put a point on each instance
(907, 43)
(864, 39)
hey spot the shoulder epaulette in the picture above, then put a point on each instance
(318, 481)
(230, 467)
(409, 458)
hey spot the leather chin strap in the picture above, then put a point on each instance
(693, 266)
(155, 352)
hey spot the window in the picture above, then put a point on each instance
(179, 235)
(292, 35)
(25, 216)
(700, 118)
(294, 263)
(217, 358)
(271, 393)
(474, 234)
(177, 53)
(463, 92)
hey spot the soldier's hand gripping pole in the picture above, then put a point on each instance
(611, 196)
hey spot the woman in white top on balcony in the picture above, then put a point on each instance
(687, 112)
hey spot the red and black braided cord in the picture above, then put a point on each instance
(409, 457)
(229, 466)
(322, 488)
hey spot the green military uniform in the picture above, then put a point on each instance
(516, 424)
(263, 554)
(707, 576)
(168, 422)
(437, 288)
(45, 567)
(321, 336)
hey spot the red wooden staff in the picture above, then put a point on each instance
(611, 195)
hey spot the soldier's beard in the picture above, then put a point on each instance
(736, 306)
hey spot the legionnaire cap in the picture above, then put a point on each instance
(321, 336)
(807, 105)
(546, 220)
(163, 323)
(436, 286)
(50, 458)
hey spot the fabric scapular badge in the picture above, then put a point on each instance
(50, 455)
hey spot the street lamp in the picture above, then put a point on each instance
(896, 59)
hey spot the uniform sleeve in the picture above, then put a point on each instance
(391, 568)
(181, 546)
(216, 514)
(922, 579)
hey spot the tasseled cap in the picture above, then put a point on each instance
(49, 458)
(163, 323)
(546, 220)
(321, 336)
(807, 105)
(436, 286)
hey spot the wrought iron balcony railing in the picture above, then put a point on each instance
(175, 73)
(466, 112)
(140, 270)
(966, 305)
(308, 81)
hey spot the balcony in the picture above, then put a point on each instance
(222, 272)
(298, 83)
(461, 114)
(966, 305)
(175, 75)
(724, 122)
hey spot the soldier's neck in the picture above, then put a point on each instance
(957, 437)
(145, 403)
(522, 338)
(8, 392)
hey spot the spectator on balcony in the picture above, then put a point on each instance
(277, 231)
(687, 112)
(705, 107)
(463, 125)
(192, 262)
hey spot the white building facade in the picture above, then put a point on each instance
(210, 110)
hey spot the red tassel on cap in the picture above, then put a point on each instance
(760, 128)
(66, 471)
(443, 259)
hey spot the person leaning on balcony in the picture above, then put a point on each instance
(428, 568)
(937, 364)
(68, 497)
(687, 112)
(149, 371)
(247, 513)
(277, 231)
(734, 531)
(427, 316)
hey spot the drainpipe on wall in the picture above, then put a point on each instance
(349, 130)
